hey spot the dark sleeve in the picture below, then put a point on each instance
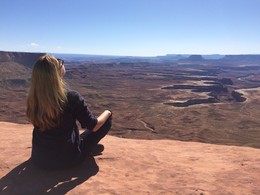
(81, 111)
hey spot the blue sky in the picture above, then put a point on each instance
(131, 27)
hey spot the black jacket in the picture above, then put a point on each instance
(59, 147)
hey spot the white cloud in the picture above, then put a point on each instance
(34, 44)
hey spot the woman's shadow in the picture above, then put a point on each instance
(28, 179)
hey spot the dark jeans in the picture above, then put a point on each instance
(90, 139)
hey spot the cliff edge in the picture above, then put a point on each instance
(25, 58)
(132, 167)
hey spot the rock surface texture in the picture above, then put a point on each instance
(129, 166)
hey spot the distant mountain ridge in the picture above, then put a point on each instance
(185, 56)
(28, 59)
(161, 59)
(252, 57)
(25, 58)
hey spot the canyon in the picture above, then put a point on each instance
(186, 98)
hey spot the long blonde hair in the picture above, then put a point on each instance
(47, 97)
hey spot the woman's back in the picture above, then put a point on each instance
(54, 110)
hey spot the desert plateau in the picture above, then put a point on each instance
(181, 125)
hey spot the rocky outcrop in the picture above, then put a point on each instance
(25, 58)
(192, 102)
(226, 81)
(195, 58)
(216, 91)
(238, 96)
(197, 88)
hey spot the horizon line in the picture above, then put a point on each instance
(61, 53)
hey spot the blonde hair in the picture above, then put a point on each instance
(47, 97)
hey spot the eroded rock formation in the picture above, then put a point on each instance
(216, 90)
